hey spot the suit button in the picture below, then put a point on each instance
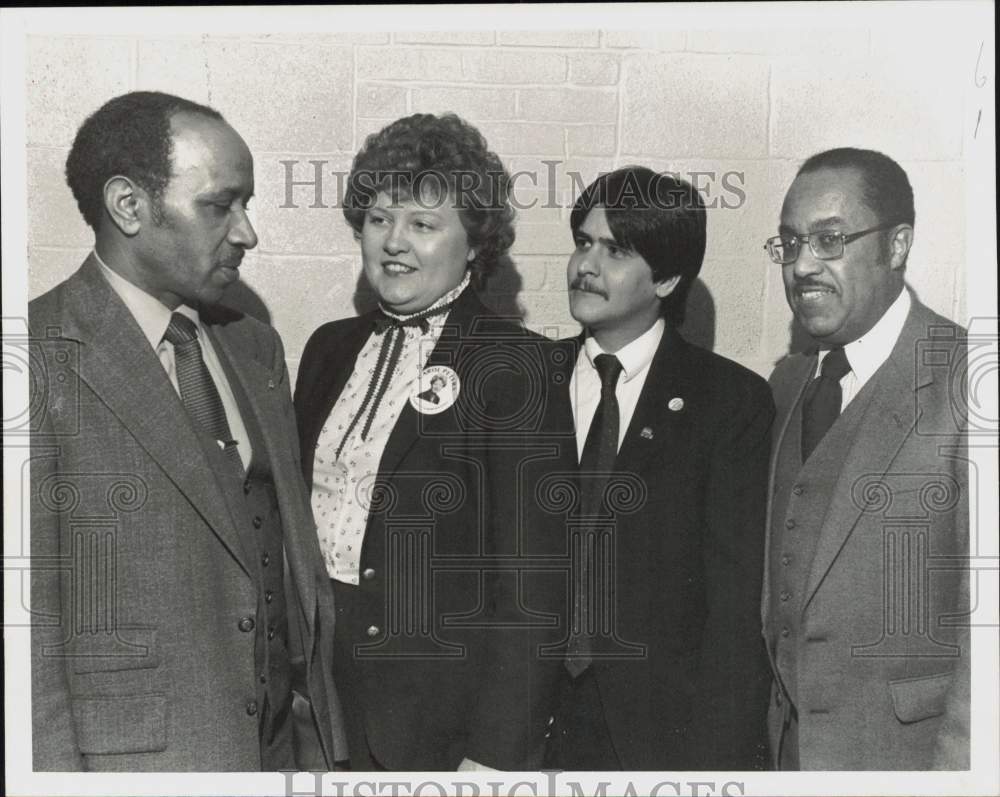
(268, 596)
(246, 487)
(263, 678)
(270, 633)
(789, 524)
(265, 559)
(550, 720)
(786, 560)
(257, 522)
(373, 631)
(798, 489)
(246, 625)
(368, 574)
(251, 707)
(785, 595)
(785, 632)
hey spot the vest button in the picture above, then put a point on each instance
(798, 489)
(251, 707)
(368, 574)
(263, 678)
(270, 633)
(785, 632)
(257, 522)
(265, 559)
(246, 487)
(268, 596)
(373, 631)
(790, 523)
(786, 560)
(777, 697)
(785, 595)
(246, 625)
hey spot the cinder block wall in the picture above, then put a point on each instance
(735, 111)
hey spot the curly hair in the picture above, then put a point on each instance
(438, 152)
(130, 136)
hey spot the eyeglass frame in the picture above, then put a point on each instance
(845, 238)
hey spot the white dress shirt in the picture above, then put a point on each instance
(153, 318)
(342, 488)
(867, 354)
(585, 385)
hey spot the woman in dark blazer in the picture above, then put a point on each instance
(429, 522)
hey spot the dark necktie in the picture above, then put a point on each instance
(388, 357)
(821, 403)
(598, 459)
(198, 391)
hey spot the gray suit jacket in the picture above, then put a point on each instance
(140, 574)
(882, 655)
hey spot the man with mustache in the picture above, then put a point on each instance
(665, 667)
(866, 583)
(176, 576)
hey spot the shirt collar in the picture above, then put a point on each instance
(634, 356)
(437, 320)
(868, 352)
(152, 316)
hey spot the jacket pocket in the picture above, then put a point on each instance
(126, 649)
(108, 725)
(920, 698)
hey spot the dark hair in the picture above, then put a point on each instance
(438, 152)
(886, 189)
(659, 216)
(129, 136)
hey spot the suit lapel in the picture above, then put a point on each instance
(118, 364)
(654, 423)
(458, 329)
(888, 421)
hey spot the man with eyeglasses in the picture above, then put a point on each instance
(866, 576)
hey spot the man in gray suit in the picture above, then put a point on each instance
(176, 578)
(866, 572)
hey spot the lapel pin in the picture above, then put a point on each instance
(676, 404)
(646, 433)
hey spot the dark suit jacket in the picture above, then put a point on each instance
(689, 544)
(446, 642)
(140, 574)
(882, 675)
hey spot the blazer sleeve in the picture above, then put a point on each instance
(507, 724)
(731, 691)
(54, 740)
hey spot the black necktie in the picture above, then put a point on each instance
(598, 459)
(198, 391)
(821, 403)
(385, 366)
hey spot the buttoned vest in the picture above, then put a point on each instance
(801, 496)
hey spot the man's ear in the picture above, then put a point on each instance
(899, 244)
(666, 287)
(122, 200)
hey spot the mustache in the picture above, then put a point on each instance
(581, 284)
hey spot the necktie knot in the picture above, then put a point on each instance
(835, 365)
(608, 368)
(181, 330)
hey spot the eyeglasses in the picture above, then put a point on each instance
(825, 244)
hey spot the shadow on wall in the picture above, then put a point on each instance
(699, 317)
